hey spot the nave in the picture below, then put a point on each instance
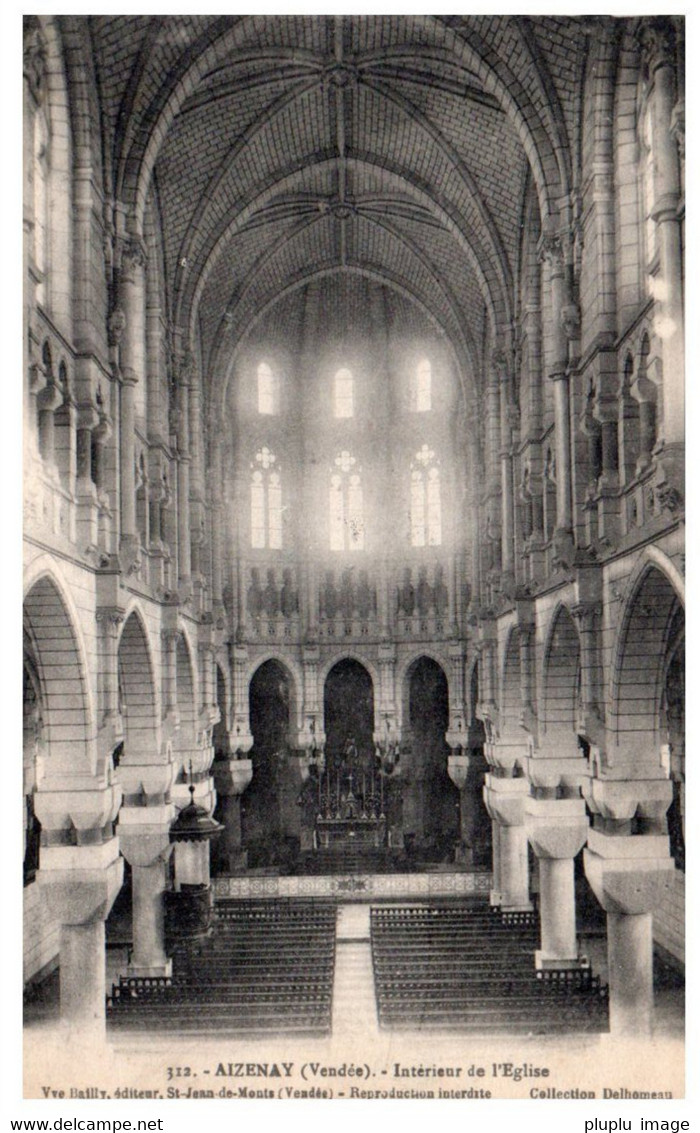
(354, 511)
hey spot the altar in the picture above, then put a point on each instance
(343, 833)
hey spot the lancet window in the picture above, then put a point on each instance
(421, 388)
(346, 517)
(268, 390)
(426, 504)
(265, 502)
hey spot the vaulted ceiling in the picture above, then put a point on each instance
(275, 149)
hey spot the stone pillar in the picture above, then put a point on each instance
(507, 501)
(495, 895)
(526, 638)
(78, 884)
(630, 875)
(658, 42)
(241, 737)
(217, 586)
(232, 777)
(458, 770)
(131, 289)
(110, 619)
(184, 545)
(557, 830)
(505, 800)
(553, 252)
(312, 733)
(588, 615)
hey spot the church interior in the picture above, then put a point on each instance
(353, 635)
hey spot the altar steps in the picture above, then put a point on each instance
(349, 860)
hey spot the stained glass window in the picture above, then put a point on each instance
(347, 527)
(422, 387)
(266, 502)
(425, 502)
(268, 390)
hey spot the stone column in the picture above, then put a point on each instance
(557, 830)
(588, 615)
(78, 884)
(241, 737)
(458, 770)
(110, 619)
(630, 875)
(505, 800)
(184, 546)
(658, 42)
(553, 252)
(217, 586)
(507, 501)
(232, 777)
(312, 733)
(131, 290)
(526, 638)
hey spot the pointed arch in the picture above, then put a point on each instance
(58, 656)
(649, 626)
(137, 692)
(561, 676)
(510, 705)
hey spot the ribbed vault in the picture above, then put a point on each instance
(277, 150)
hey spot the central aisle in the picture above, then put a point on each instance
(354, 1004)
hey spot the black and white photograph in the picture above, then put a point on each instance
(353, 507)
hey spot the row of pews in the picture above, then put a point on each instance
(266, 968)
(471, 969)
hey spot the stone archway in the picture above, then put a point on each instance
(67, 724)
(348, 712)
(262, 808)
(431, 805)
(649, 633)
(561, 687)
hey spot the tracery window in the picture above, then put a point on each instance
(265, 502)
(421, 387)
(268, 390)
(346, 514)
(426, 504)
(343, 394)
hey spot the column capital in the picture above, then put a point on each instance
(232, 776)
(621, 799)
(110, 618)
(557, 828)
(505, 799)
(34, 58)
(570, 317)
(116, 325)
(458, 768)
(629, 875)
(585, 615)
(79, 883)
(657, 38)
(551, 251)
(133, 259)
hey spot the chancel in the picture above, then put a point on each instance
(354, 517)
